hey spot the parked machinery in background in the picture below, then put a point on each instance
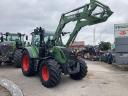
(108, 57)
(90, 52)
(93, 53)
(10, 48)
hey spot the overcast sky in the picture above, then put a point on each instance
(24, 15)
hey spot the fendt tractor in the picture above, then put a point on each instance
(10, 48)
(50, 56)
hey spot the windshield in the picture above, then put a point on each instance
(65, 38)
(46, 38)
(36, 38)
(14, 38)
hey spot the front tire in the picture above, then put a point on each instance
(110, 61)
(27, 64)
(50, 73)
(82, 73)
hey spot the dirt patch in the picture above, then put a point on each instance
(4, 92)
(90, 76)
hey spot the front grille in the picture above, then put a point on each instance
(68, 53)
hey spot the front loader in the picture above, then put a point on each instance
(50, 57)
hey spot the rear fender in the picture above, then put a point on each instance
(33, 51)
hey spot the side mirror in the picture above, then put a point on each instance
(7, 33)
(19, 34)
(26, 37)
(2, 38)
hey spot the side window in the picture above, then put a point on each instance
(36, 40)
(9, 38)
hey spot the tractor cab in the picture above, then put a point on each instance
(14, 36)
(42, 41)
(39, 36)
(18, 38)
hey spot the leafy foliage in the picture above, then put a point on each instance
(104, 46)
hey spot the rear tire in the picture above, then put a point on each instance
(27, 64)
(17, 58)
(82, 73)
(109, 61)
(50, 73)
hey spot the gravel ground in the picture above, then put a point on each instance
(4, 92)
(102, 80)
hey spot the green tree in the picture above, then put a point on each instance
(104, 46)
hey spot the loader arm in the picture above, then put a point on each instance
(85, 15)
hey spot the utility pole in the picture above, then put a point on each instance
(100, 36)
(94, 37)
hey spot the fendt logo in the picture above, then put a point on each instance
(122, 33)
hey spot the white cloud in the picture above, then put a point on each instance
(25, 15)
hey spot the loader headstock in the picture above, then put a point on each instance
(94, 11)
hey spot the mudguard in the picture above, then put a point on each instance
(59, 54)
(33, 51)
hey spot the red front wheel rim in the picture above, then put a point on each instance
(45, 73)
(25, 63)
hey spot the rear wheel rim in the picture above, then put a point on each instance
(25, 63)
(45, 73)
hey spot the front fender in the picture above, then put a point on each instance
(59, 55)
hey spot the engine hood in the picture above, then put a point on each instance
(8, 43)
(7, 47)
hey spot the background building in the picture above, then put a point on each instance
(78, 44)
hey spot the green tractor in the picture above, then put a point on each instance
(49, 53)
(11, 45)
